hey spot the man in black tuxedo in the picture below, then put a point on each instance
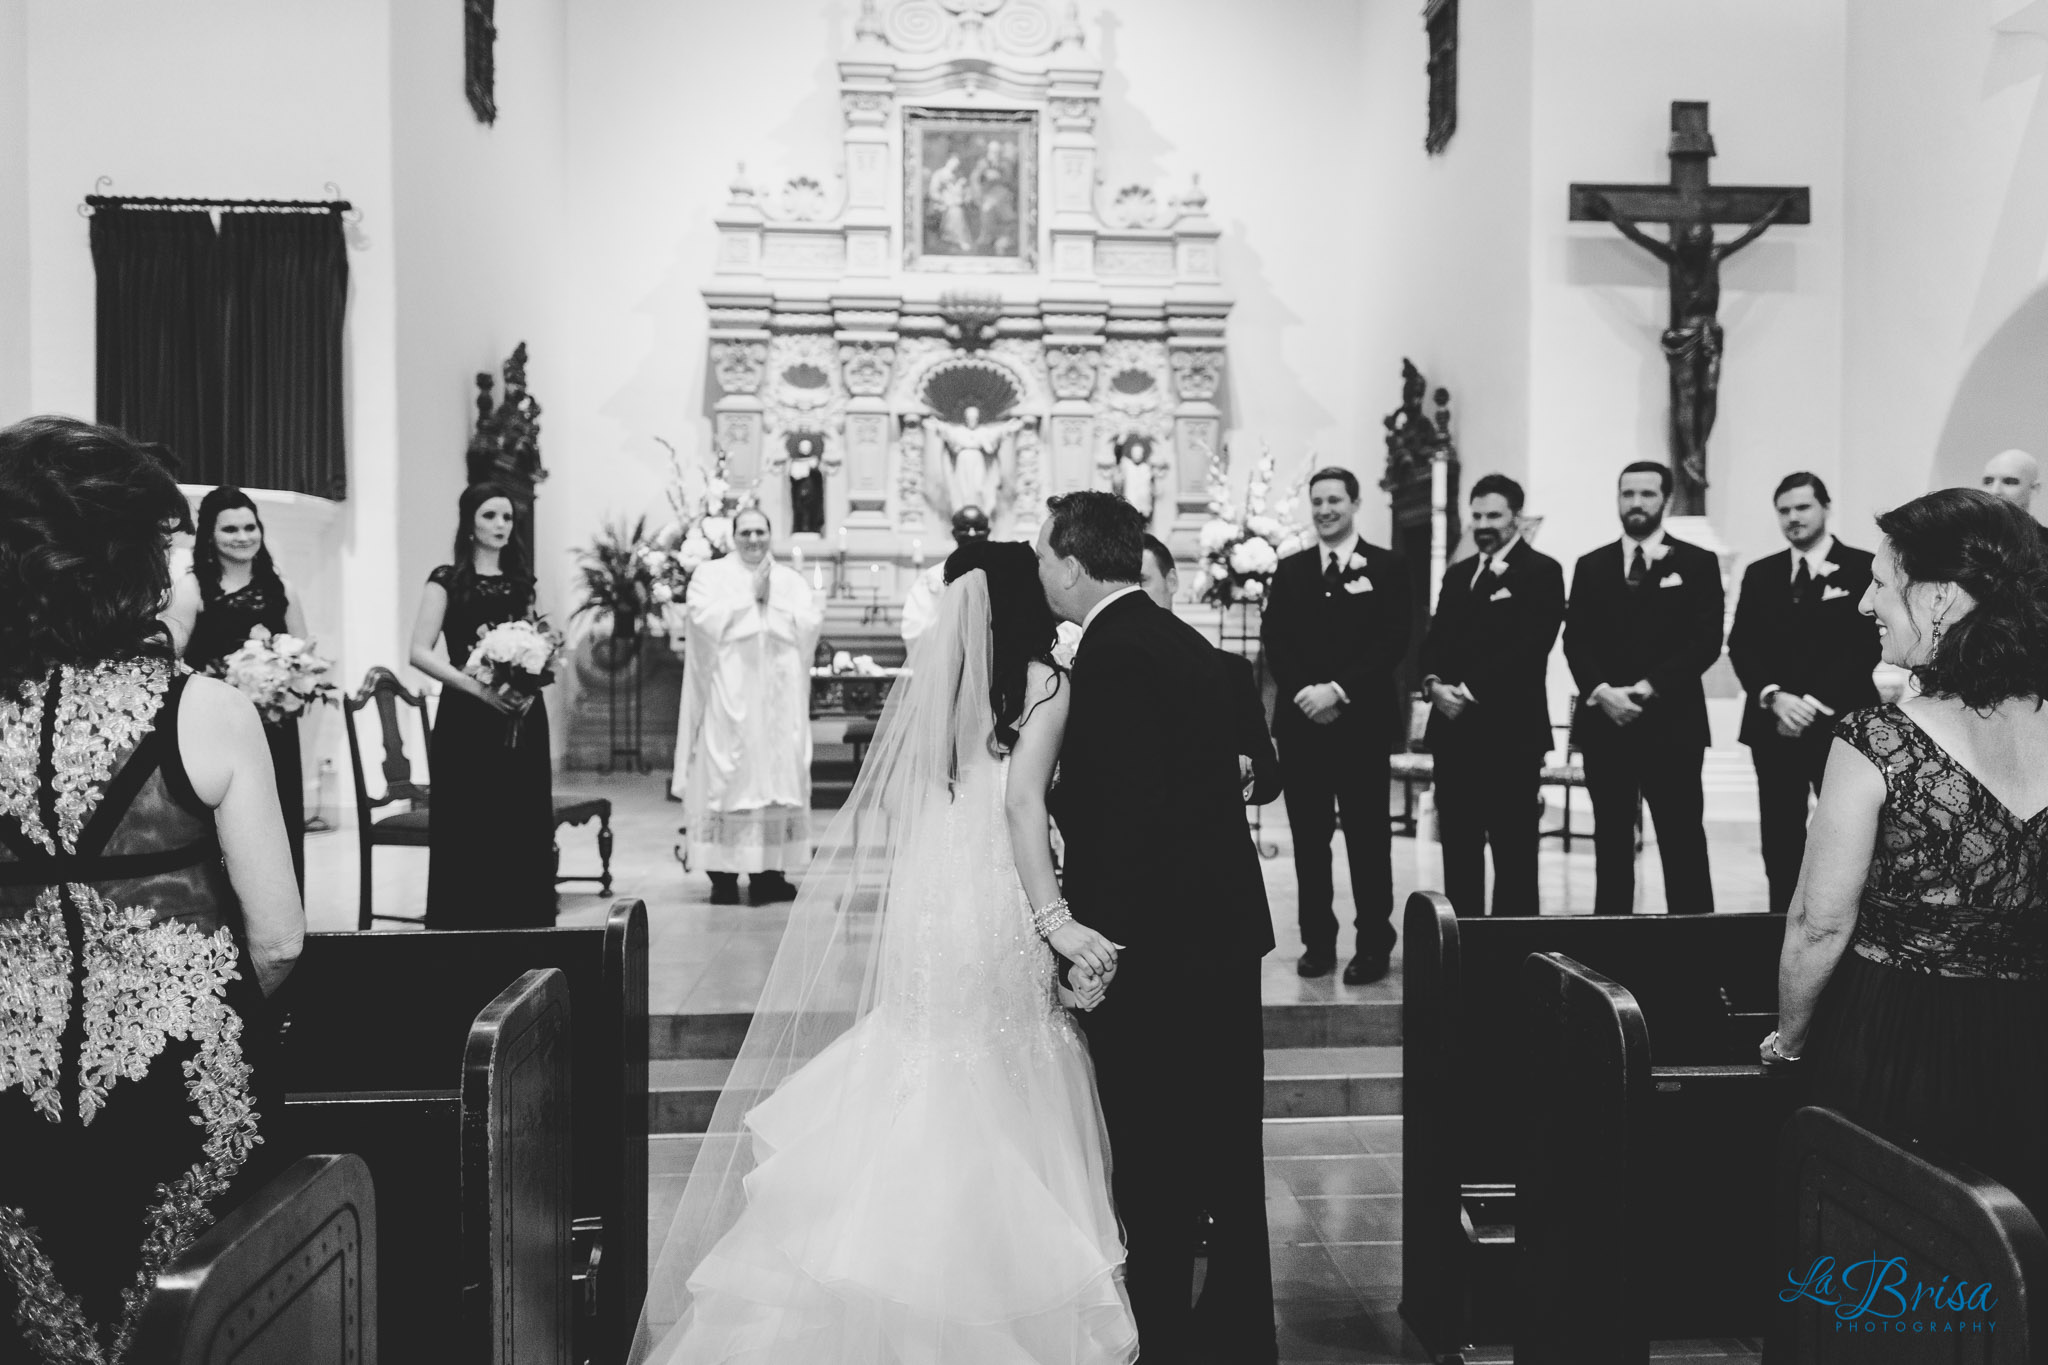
(1158, 858)
(1642, 626)
(1804, 651)
(1336, 625)
(1259, 766)
(1489, 726)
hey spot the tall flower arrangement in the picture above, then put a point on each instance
(1244, 542)
(618, 577)
(701, 532)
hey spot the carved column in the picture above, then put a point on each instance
(1074, 337)
(866, 335)
(866, 98)
(1195, 346)
(1074, 98)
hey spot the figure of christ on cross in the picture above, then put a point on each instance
(1690, 207)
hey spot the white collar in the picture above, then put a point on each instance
(1817, 561)
(1096, 610)
(1499, 558)
(1343, 549)
(1651, 543)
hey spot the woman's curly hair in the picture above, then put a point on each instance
(1022, 624)
(1993, 551)
(84, 512)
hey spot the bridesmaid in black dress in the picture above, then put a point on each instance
(234, 588)
(1914, 977)
(146, 905)
(491, 830)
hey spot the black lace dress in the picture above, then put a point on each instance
(492, 824)
(132, 1032)
(1935, 1022)
(225, 621)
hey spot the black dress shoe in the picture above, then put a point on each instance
(1315, 963)
(766, 888)
(725, 888)
(1365, 969)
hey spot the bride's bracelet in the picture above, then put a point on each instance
(1049, 920)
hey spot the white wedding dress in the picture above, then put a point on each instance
(930, 1184)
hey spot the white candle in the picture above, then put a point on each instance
(796, 558)
(818, 577)
(842, 539)
(917, 554)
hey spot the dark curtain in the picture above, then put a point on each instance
(159, 343)
(226, 346)
(283, 281)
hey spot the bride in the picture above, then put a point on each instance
(907, 1165)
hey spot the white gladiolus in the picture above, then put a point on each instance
(718, 532)
(1265, 528)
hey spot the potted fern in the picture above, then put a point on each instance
(618, 586)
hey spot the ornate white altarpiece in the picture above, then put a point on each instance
(968, 314)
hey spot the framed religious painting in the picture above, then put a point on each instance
(970, 190)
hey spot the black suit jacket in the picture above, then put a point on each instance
(1249, 719)
(1824, 649)
(1355, 636)
(1499, 648)
(1667, 631)
(1149, 802)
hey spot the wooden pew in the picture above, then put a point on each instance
(1706, 981)
(1644, 1190)
(467, 1142)
(420, 987)
(1844, 1192)
(289, 1276)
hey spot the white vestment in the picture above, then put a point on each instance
(743, 747)
(921, 603)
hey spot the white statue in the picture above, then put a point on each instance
(975, 461)
(1132, 478)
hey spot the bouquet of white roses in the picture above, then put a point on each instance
(516, 659)
(279, 673)
(1242, 544)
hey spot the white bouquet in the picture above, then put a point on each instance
(279, 673)
(516, 659)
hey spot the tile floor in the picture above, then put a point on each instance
(1333, 1185)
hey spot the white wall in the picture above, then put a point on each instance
(1605, 75)
(1948, 222)
(1445, 239)
(14, 272)
(243, 98)
(480, 263)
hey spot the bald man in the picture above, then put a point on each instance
(2015, 476)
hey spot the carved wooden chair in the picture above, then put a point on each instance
(1413, 766)
(405, 828)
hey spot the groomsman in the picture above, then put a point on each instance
(1643, 623)
(1257, 764)
(1804, 651)
(1336, 625)
(1489, 726)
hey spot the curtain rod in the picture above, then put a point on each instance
(115, 201)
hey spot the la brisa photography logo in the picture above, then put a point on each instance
(1883, 1294)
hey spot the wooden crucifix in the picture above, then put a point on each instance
(1689, 207)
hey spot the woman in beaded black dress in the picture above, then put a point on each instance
(1914, 977)
(491, 856)
(146, 904)
(233, 590)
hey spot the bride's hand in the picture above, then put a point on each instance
(1085, 948)
(1085, 989)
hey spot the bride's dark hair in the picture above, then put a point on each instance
(1020, 621)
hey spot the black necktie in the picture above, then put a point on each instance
(1486, 580)
(1638, 569)
(1802, 583)
(1333, 574)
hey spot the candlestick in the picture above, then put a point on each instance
(917, 554)
(842, 538)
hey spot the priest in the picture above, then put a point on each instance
(743, 751)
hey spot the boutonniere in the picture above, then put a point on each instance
(1825, 568)
(1654, 553)
(1064, 647)
(1358, 585)
(1356, 562)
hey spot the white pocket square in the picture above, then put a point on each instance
(1501, 595)
(1672, 582)
(1358, 585)
(1829, 594)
